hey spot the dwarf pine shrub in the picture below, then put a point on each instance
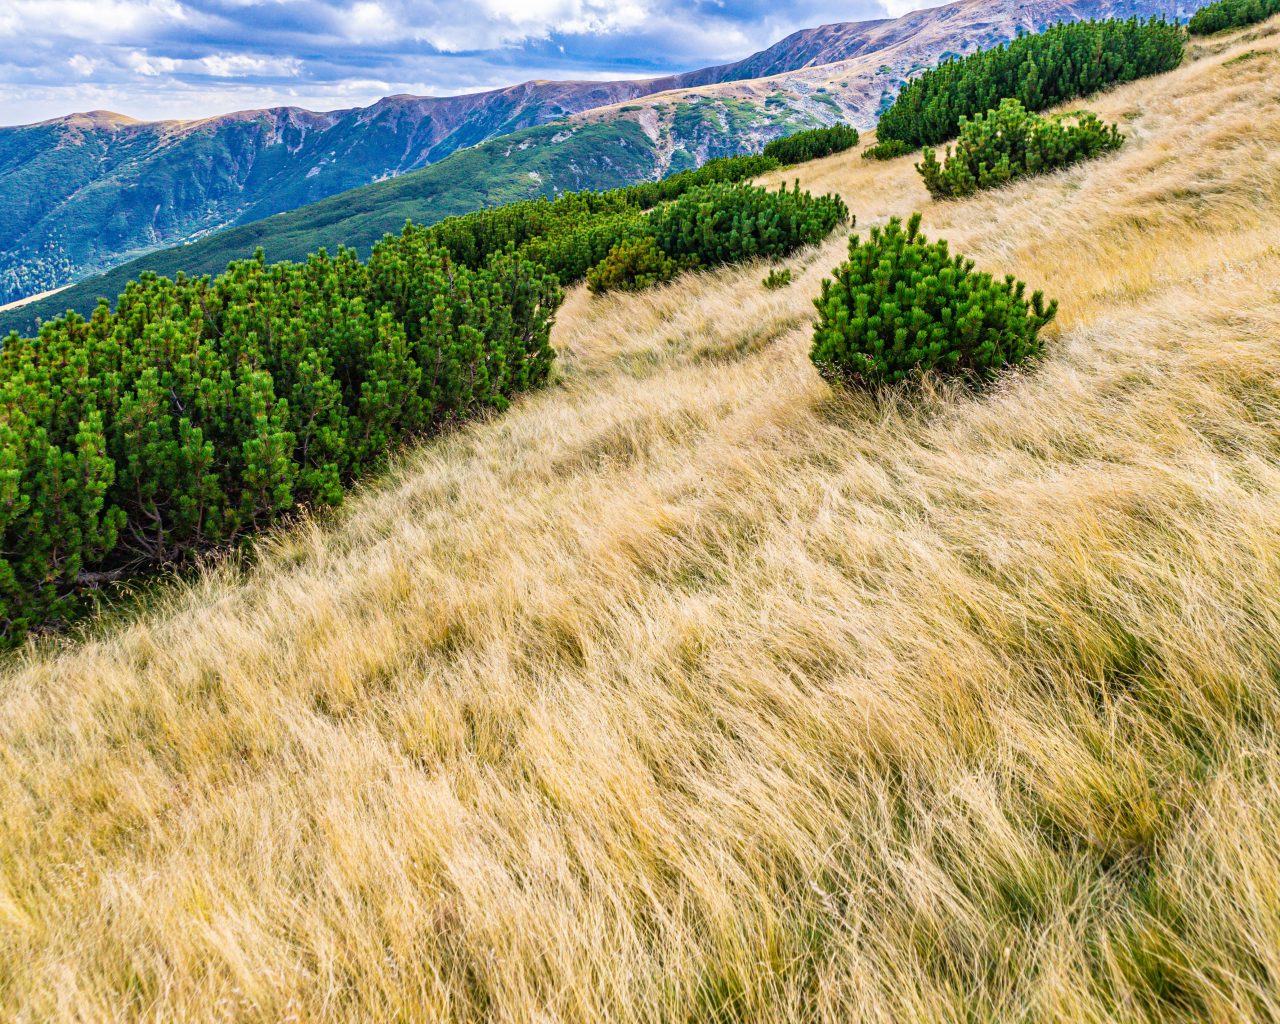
(776, 278)
(812, 144)
(1062, 62)
(887, 150)
(724, 223)
(1008, 143)
(471, 238)
(573, 248)
(1226, 14)
(902, 305)
(200, 411)
(631, 266)
(731, 223)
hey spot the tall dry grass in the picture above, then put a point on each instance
(690, 690)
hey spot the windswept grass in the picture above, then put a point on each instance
(693, 691)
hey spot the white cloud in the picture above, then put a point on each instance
(82, 65)
(88, 20)
(504, 23)
(141, 62)
(369, 22)
(215, 65)
(244, 65)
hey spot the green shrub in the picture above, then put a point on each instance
(472, 238)
(1009, 143)
(731, 223)
(1231, 14)
(572, 249)
(632, 265)
(887, 150)
(812, 144)
(717, 224)
(1060, 63)
(202, 410)
(902, 305)
(777, 278)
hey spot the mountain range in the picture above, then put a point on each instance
(90, 192)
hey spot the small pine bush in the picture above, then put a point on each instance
(631, 266)
(542, 224)
(1008, 143)
(572, 249)
(902, 305)
(730, 223)
(777, 278)
(1231, 14)
(887, 150)
(812, 144)
(718, 224)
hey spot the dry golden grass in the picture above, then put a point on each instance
(690, 690)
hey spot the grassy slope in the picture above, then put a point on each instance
(690, 686)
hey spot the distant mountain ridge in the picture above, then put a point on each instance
(87, 192)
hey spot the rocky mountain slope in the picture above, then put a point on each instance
(853, 71)
(87, 192)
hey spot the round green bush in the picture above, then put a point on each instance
(1231, 14)
(717, 224)
(720, 223)
(902, 305)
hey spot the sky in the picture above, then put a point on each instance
(154, 59)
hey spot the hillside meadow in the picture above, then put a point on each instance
(693, 690)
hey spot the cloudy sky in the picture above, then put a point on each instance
(191, 58)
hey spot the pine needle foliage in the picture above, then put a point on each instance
(812, 144)
(1008, 143)
(546, 223)
(632, 266)
(723, 223)
(730, 223)
(200, 411)
(902, 305)
(1226, 14)
(887, 150)
(1061, 63)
